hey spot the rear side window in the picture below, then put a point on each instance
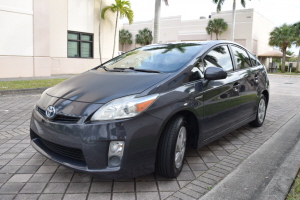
(257, 62)
(241, 58)
(253, 60)
(219, 57)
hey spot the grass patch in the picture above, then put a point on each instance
(11, 85)
(294, 193)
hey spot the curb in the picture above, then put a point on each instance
(266, 174)
(23, 91)
(282, 75)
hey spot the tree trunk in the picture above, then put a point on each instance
(100, 55)
(298, 61)
(156, 21)
(211, 36)
(115, 33)
(233, 21)
(217, 33)
(283, 60)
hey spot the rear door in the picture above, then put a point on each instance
(220, 97)
(248, 81)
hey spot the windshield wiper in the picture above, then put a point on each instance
(108, 70)
(139, 70)
(104, 67)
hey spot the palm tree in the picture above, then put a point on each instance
(217, 26)
(297, 42)
(219, 6)
(100, 55)
(123, 9)
(144, 37)
(124, 37)
(282, 37)
(157, 18)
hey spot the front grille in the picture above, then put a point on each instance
(62, 150)
(41, 111)
(60, 118)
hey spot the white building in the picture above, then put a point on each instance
(251, 30)
(45, 37)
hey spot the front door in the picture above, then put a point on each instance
(248, 82)
(220, 97)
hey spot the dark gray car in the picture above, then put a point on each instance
(137, 113)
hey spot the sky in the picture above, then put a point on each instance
(277, 11)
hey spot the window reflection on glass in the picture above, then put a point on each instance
(85, 49)
(72, 36)
(165, 58)
(241, 58)
(86, 37)
(219, 57)
(73, 49)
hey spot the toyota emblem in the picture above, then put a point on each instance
(50, 112)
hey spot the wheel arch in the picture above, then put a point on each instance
(266, 94)
(193, 127)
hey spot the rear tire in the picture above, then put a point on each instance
(171, 148)
(260, 113)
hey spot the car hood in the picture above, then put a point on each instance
(100, 87)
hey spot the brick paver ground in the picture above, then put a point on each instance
(25, 174)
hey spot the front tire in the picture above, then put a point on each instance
(171, 148)
(260, 113)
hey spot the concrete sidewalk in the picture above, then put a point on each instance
(268, 173)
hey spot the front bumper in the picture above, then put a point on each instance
(59, 141)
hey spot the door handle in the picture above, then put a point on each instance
(236, 86)
(256, 77)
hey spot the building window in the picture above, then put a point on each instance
(80, 45)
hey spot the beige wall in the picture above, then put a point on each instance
(251, 30)
(35, 33)
(16, 43)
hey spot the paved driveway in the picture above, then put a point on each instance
(25, 174)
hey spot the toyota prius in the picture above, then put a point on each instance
(138, 112)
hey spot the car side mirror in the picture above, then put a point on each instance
(215, 73)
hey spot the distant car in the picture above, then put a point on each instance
(137, 113)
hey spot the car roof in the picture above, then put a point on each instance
(208, 42)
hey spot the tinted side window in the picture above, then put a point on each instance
(253, 60)
(241, 58)
(219, 57)
(258, 63)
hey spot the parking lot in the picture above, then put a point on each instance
(25, 174)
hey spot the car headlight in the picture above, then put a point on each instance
(124, 107)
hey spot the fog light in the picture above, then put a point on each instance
(114, 161)
(115, 153)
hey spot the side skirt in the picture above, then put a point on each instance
(226, 131)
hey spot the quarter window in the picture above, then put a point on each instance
(219, 57)
(241, 58)
(194, 75)
(80, 45)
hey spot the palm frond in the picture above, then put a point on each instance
(282, 37)
(104, 11)
(217, 26)
(125, 37)
(243, 2)
(144, 37)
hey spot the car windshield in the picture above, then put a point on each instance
(165, 58)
